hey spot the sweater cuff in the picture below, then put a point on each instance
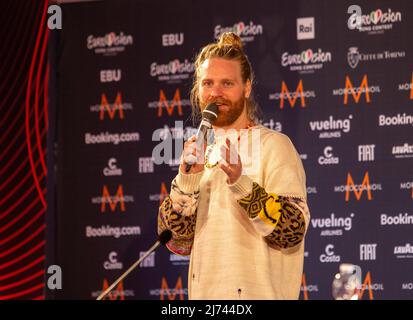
(189, 183)
(242, 187)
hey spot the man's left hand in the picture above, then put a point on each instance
(231, 162)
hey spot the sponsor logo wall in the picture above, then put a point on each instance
(346, 104)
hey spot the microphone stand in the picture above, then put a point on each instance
(103, 294)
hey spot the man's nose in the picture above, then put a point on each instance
(216, 92)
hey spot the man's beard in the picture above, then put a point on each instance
(227, 117)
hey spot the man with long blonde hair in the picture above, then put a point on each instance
(244, 229)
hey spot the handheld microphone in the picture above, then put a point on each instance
(209, 115)
(163, 239)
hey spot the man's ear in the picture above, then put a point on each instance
(248, 88)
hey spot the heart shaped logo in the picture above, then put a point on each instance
(239, 28)
(375, 16)
(307, 55)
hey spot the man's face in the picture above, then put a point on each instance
(221, 82)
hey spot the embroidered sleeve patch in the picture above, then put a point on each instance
(282, 213)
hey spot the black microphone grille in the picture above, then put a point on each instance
(165, 236)
(210, 113)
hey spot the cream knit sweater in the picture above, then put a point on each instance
(230, 256)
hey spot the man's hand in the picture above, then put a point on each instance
(190, 154)
(231, 162)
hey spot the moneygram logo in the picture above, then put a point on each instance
(403, 252)
(112, 201)
(167, 293)
(247, 32)
(356, 93)
(358, 189)
(306, 289)
(377, 22)
(113, 138)
(407, 86)
(329, 255)
(398, 120)
(109, 231)
(328, 157)
(354, 56)
(307, 61)
(110, 44)
(333, 226)
(173, 72)
(112, 263)
(169, 105)
(331, 128)
(292, 97)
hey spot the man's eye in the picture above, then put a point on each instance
(228, 83)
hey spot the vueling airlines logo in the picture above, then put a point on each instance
(292, 97)
(169, 105)
(171, 294)
(117, 294)
(367, 284)
(356, 93)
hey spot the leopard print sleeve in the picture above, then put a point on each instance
(283, 215)
(178, 214)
